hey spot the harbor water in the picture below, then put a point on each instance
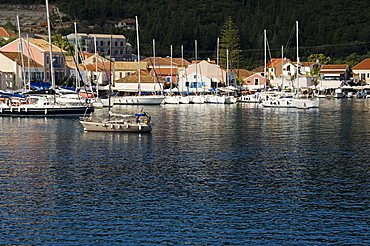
(206, 175)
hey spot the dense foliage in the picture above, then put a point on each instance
(335, 28)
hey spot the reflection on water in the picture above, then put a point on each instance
(207, 174)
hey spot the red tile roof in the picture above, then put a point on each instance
(335, 66)
(363, 65)
(159, 61)
(334, 69)
(5, 33)
(16, 57)
(165, 71)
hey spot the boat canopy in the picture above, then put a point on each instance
(40, 86)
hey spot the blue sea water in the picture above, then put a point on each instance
(207, 175)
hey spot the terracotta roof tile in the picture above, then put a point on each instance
(5, 33)
(160, 61)
(363, 65)
(16, 57)
(145, 77)
(335, 66)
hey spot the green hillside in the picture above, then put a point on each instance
(336, 28)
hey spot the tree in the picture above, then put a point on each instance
(62, 43)
(318, 59)
(230, 40)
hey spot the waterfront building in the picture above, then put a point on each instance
(282, 73)
(129, 84)
(11, 76)
(201, 77)
(162, 68)
(333, 76)
(38, 50)
(88, 72)
(362, 71)
(121, 50)
(251, 80)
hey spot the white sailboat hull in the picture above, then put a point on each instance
(91, 126)
(230, 100)
(184, 100)
(278, 103)
(138, 100)
(250, 98)
(196, 99)
(171, 100)
(215, 99)
(290, 103)
(305, 103)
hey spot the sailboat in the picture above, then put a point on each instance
(183, 99)
(43, 105)
(300, 102)
(138, 99)
(214, 98)
(196, 99)
(171, 99)
(139, 122)
(229, 99)
(285, 102)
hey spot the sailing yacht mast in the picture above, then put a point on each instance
(265, 48)
(171, 73)
(110, 76)
(282, 66)
(297, 58)
(96, 68)
(28, 60)
(196, 67)
(227, 67)
(218, 50)
(155, 72)
(52, 75)
(138, 55)
(182, 67)
(76, 55)
(23, 79)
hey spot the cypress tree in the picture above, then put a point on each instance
(230, 40)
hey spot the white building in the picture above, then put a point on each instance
(11, 72)
(201, 76)
(121, 50)
(362, 70)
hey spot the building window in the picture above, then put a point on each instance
(288, 68)
(116, 43)
(101, 43)
(368, 75)
(121, 43)
(256, 82)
